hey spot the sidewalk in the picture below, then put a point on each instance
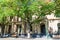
(43, 38)
(26, 38)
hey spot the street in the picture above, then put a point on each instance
(28, 39)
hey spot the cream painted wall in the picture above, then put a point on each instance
(53, 25)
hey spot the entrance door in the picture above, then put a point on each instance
(3, 27)
(43, 29)
(9, 29)
(19, 28)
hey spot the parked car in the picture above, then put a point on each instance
(57, 35)
(14, 35)
(5, 35)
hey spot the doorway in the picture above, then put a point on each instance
(19, 29)
(43, 29)
(9, 29)
(3, 27)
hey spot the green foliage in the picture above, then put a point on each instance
(57, 8)
(25, 9)
(48, 8)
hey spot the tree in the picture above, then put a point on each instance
(57, 8)
(26, 9)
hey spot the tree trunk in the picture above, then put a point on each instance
(25, 27)
(28, 28)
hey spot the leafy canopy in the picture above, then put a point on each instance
(25, 8)
(57, 8)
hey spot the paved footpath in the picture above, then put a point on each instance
(27, 39)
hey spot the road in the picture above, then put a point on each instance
(27, 39)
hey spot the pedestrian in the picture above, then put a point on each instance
(50, 30)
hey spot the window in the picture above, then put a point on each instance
(58, 28)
